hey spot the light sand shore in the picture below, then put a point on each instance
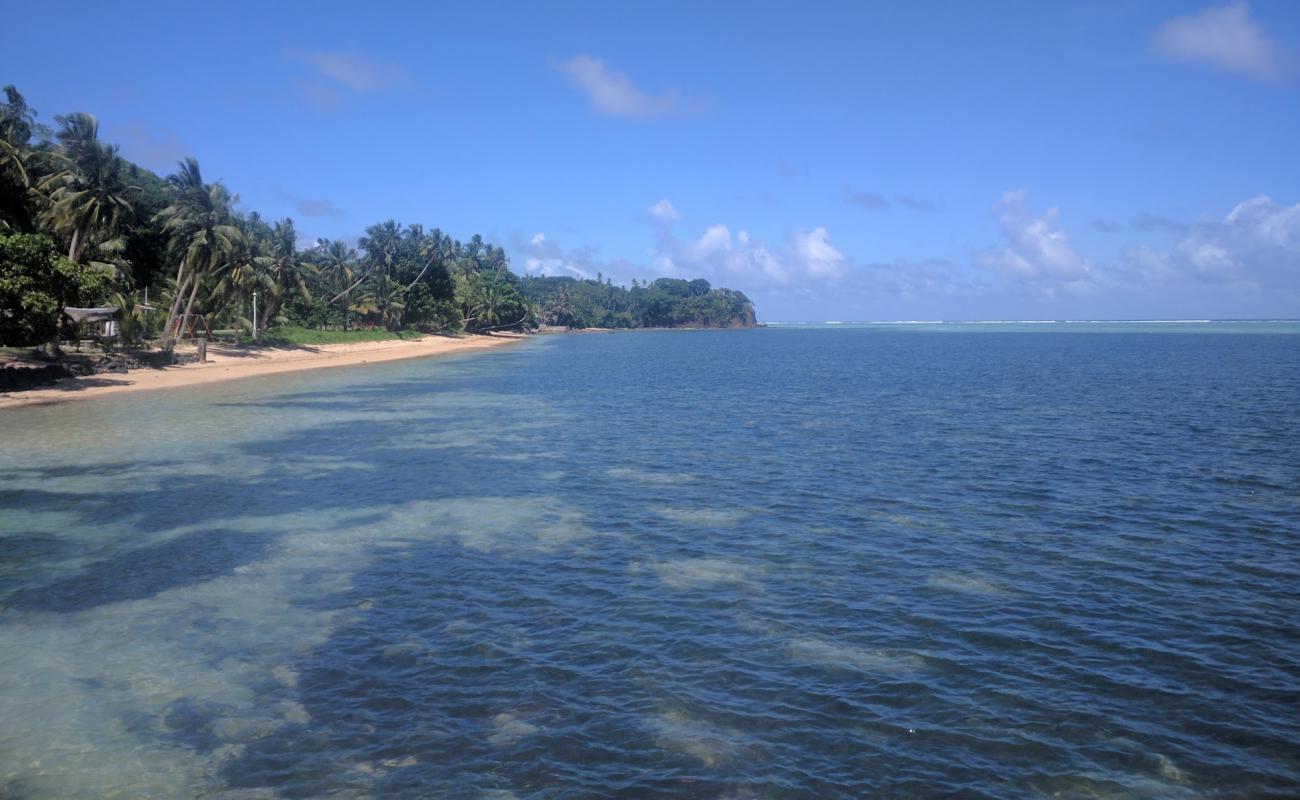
(229, 363)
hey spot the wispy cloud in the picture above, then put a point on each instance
(354, 71)
(868, 200)
(613, 94)
(664, 211)
(915, 203)
(336, 77)
(1147, 221)
(155, 148)
(872, 201)
(312, 207)
(1224, 37)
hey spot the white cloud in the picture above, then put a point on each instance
(1037, 251)
(717, 239)
(1225, 37)
(1256, 245)
(1261, 222)
(736, 260)
(663, 210)
(613, 94)
(542, 256)
(814, 250)
(808, 256)
(355, 71)
(1244, 263)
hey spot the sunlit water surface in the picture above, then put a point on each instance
(754, 564)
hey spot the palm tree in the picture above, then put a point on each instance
(340, 267)
(131, 317)
(287, 269)
(382, 243)
(244, 270)
(201, 234)
(88, 192)
(17, 121)
(14, 184)
(560, 311)
(337, 263)
(381, 300)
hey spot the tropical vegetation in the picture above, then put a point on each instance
(664, 303)
(82, 225)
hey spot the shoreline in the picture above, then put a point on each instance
(226, 363)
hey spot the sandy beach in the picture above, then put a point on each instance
(232, 363)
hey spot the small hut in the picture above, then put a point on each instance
(100, 323)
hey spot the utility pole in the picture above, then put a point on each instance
(255, 316)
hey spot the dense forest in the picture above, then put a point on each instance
(80, 225)
(665, 303)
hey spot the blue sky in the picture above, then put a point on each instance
(833, 160)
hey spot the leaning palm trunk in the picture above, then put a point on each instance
(350, 288)
(176, 306)
(507, 325)
(189, 305)
(168, 339)
(421, 275)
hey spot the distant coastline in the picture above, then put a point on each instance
(1284, 326)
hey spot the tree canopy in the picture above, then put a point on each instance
(79, 221)
(665, 303)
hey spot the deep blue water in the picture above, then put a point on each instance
(746, 564)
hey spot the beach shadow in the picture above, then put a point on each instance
(328, 470)
(260, 350)
(69, 385)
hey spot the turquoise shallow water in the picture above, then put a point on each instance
(746, 564)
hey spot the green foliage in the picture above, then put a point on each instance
(182, 241)
(666, 303)
(36, 282)
(132, 320)
(17, 167)
(87, 193)
(295, 335)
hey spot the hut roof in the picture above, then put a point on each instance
(102, 314)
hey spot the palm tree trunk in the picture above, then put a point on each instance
(176, 305)
(421, 275)
(345, 291)
(268, 311)
(74, 249)
(190, 304)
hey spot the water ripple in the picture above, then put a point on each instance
(799, 564)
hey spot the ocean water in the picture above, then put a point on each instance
(782, 563)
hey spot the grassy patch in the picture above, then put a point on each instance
(290, 335)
